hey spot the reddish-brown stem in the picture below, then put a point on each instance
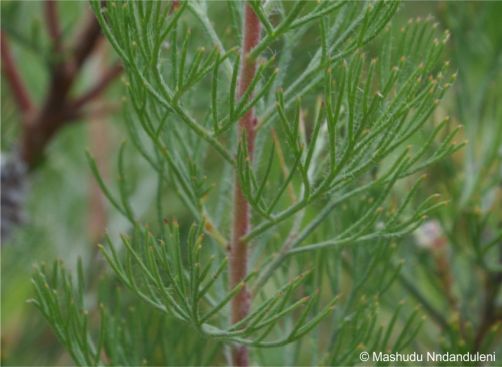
(108, 76)
(86, 40)
(12, 76)
(41, 123)
(53, 28)
(241, 224)
(58, 108)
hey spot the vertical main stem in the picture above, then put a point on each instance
(241, 213)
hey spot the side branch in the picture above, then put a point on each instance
(41, 123)
(53, 26)
(86, 40)
(12, 76)
(108, 76)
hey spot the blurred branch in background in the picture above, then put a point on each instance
(13, 78)
(59, 108)
(99, 148)
(55, 199)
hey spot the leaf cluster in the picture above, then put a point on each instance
(329, 152)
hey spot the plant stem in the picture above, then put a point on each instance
(53, 26)
(241, 225)
(107, 77)
(19, 91)
(41, 123)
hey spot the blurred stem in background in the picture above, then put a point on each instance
(59, 108)
(77, 71)
(99, 147)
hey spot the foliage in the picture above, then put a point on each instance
(331, 147)
(467, 234)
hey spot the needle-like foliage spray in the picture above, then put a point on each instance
(282, 134)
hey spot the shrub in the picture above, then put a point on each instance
(283, 137)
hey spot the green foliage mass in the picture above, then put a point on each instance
(344, 99)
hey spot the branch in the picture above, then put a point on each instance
(238, 248)
(57, 109)
(11, 73)
(86, 40)
(53, 27)
(108, 76)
